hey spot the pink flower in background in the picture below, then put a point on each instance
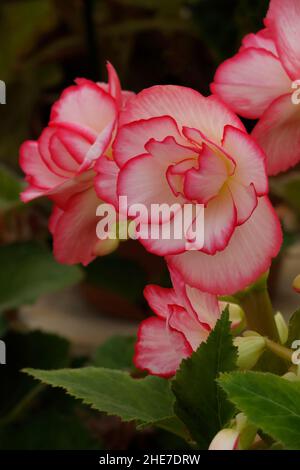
(61, 163)
(176, 146)
(258, 82)
(184, 318)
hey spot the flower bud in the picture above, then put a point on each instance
(291, 377)
(296, 284)
(226, 439)
(282, 328)
(250, 348)
(236, 316)
(105, 247)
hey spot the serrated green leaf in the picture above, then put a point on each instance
(200, 402)
(270, 402)
(116, 353)
(114, 392)
(29, 270)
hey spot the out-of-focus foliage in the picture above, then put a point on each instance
(30, 271)
(116, 353)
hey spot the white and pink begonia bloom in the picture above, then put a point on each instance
(184, 318)
(260, 80)
(61, 164)
(176, 146)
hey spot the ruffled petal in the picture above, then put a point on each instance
(278, 134)
(248, 255)
(250, 81)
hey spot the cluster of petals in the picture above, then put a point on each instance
(184, 317)
(175, 146)
(261, 80)
(62, 164)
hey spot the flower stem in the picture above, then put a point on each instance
(279, 350)
(258, 310)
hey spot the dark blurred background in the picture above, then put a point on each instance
(48, 43)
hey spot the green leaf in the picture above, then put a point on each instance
(10, 188)
(116, 353)
(294, 328)
(29, 270)
(270, 402)
(114, 392)
(200, 402)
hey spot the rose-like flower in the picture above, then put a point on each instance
(184, 317)
(258, 82)
(176, 146)
(61, 164)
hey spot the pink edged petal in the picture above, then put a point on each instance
(248, 255)
(249, 158)
(77, 143)
(99, 146)
(74, 235)
(114, 85)
(37, 172)
(160, 298)
(132, 138)
(160, 349)
(44, 145)
(187, 324)
(126, 97)
(278, 134)
(106, 180)
(188, 108)
(86, 106)
(61, 156)
(245, 200)
(165, 238)
(200, 306)
(205, 182)
(220, 220)
(261, 40)
(205, 305)
(30, 193)
(176, 173)
(61, 194)
(283, 21)
(54, 219)
(144, 179)
(250, 81)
